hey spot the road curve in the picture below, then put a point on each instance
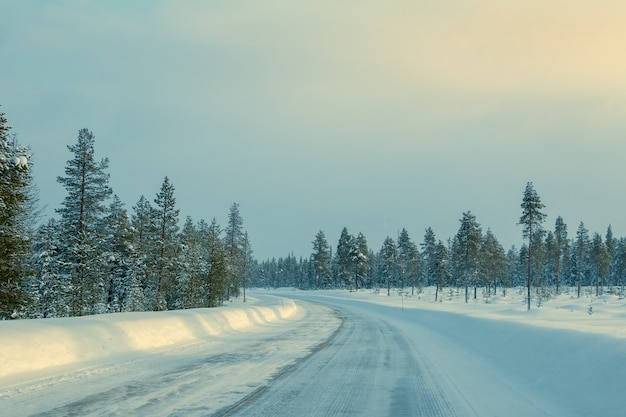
(369, 368)
(387, 361)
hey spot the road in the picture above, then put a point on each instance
(341, 357)
(198, 379)
(390, 362)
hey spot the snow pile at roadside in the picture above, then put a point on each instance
(605, 314)
(31, 345)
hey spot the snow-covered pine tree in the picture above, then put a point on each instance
(562, 251)
(87, 186)
(389, 263)
(581, 255)
(429, 250)
(189, 275)
(409, 260)
(321, 261)
(467, 252)
(15, 179)
(146, 244)
(600, 262)
(442, 272)
(342, 258)
(493, 262)
(216, 282)
(51, 293)
(611, 247)
(167, 251)
(358, 258)
(119, 258)
(531, 220)
(246, 262)
(232, 240)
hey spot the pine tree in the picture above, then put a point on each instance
(409, 260)
(146, 244)
(321, 261)
(358, 259)
(600, 262)
(216, 282)
(51, 294)
(342, 258)
(562, 250)
(166, 258)
(467, 252)
(189, 275)
(389, 263)
(15, 179)
(87, 186)
(429, 253)
(442, 272)
(246, 253)
(581, 249)
(233, 237)
(120, 257)
(531, 221)
(611, 247)
(493, 262)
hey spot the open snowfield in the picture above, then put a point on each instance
(392, 356)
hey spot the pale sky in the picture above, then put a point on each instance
(323, 114)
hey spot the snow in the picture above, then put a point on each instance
(565, 358)
(32, 345)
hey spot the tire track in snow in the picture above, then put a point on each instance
(192, 380)
(368, 369)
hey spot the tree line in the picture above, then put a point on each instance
(96, 257)
(549, 261)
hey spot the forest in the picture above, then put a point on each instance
(97, 257)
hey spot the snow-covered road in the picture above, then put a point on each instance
(392, 362)
(369, 369)
(199, 378)
(340, 354)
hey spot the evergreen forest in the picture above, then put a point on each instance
(96, 256)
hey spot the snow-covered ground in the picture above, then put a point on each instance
(565, 358)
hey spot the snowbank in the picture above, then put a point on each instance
(32, 345)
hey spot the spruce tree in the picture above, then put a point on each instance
(342, 258)
(562, 250)
(389, 263)
(441, 269)
(408, 260)
(189, 275)
(15, 179)
(216, 281)
(120, 257)
(600, 262)
(321, 261)
(87, 186)
(146, 244)
(493, 262)
(358, 259)
(167, 250)
(531, 221)
(429, 253)
(246, 253)
(581, 253)
(233, 237)
(467, 252)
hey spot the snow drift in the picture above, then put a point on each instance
(32, 345)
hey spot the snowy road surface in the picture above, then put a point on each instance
(389, 362)
(192, 379)
(345, 354)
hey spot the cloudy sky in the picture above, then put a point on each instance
(323, 114)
